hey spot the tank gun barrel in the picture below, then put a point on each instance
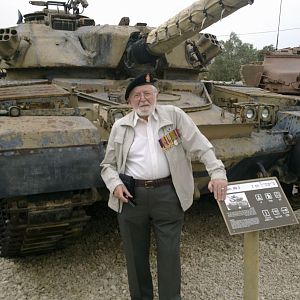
(198, 16)
(9, 42)
(180, 28)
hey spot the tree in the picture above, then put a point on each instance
(264, 50)
(235, 53)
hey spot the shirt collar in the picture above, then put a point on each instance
(136, 117)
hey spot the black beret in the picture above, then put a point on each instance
(143, 79)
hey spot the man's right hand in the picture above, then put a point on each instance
(122, 193)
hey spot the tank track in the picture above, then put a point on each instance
(295, 198)
(41, 223)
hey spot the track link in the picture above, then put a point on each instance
(295, 200)
(42, 223)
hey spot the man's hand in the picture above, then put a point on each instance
(122, 193)
(219, 188)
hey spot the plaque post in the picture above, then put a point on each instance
(250, 206)
(251, 265)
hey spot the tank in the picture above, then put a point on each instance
(278, 73)
(274, 81)
(64, 86)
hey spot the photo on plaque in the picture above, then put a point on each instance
(237, 201)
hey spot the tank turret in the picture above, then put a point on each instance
(58, 41)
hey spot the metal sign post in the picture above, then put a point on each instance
(250, 206)
(251, 265)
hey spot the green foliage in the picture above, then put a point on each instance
(264, 50)
(235, 53)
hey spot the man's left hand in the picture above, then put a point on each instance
(219, 188)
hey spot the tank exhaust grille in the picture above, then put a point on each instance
(59, 24)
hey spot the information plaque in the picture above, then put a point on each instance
(256, 204)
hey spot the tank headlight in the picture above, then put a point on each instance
(265, 114)
(250, 113)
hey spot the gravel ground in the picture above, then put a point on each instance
(212, 263)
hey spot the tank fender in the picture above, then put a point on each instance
(46, 154)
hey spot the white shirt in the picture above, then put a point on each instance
(146, 160)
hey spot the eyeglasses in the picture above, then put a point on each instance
(147, 95)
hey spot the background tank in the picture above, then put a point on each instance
(275, 81)
(64, 88)
(278, 73)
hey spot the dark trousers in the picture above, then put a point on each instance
(160, 209)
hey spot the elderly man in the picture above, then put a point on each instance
(153, 144)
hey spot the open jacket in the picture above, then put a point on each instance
(193, 143)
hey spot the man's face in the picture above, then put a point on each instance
(143, 99)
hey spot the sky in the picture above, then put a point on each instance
(255, 24)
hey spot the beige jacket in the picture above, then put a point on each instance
(193, 143)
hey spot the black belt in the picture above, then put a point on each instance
(153, 183)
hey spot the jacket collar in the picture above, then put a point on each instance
(162, 114)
